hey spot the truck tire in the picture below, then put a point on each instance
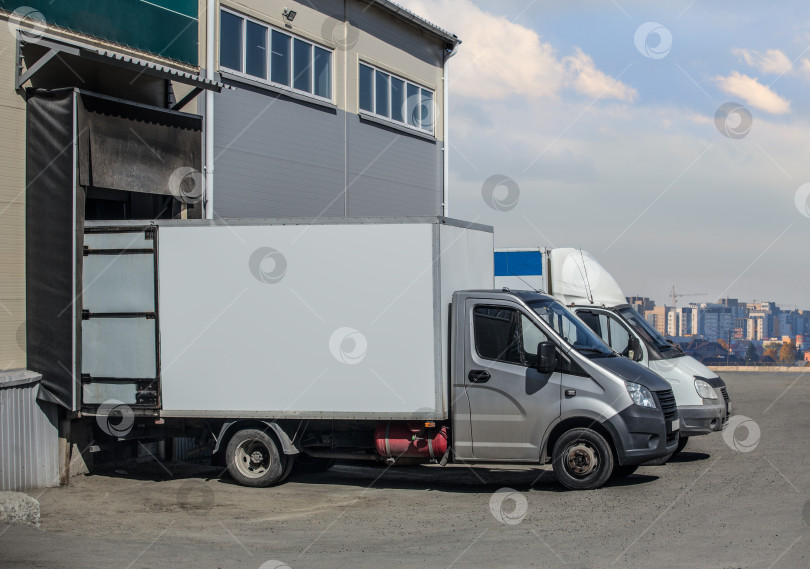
(582, 459)
(305, 464)
(253, 459)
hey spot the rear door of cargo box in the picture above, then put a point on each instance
(120, 358)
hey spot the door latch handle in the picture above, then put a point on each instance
(478, 376)
(570, 392)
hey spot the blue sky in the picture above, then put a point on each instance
(620, 154)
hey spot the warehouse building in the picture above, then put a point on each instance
(339, 111)
(122, 110)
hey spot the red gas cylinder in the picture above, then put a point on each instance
(410, 440)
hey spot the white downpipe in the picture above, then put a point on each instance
(210, 28)
(446, 133)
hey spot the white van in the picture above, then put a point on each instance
(578, 280)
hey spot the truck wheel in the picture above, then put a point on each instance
(583, 459)
(254, 460)
(305, 464)
(681, 444)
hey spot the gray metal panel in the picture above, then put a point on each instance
(98, 392)
(119, 347)
(392, 173)
(277, 157)
(122, 240)
(119, 283)
(29, 437)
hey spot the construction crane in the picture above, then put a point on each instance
(676, 295)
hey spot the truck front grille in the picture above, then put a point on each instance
(668, 405)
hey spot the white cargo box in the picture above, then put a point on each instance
(330, 319)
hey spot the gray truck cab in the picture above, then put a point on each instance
(531, 380)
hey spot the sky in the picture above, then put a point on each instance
(671, 140)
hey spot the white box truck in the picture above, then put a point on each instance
(576, 278)
(306, 341)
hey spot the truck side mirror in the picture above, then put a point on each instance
(546, 357)
(634, 349)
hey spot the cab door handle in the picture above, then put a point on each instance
(478, 376)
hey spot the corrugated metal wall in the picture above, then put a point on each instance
(278, 157)
(29, 435)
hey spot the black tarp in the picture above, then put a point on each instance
(77, 141)
(53, 214)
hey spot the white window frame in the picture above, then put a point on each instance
(406, 82)
(270, 28)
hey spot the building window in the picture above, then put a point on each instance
(230, 41)
(291, 62)
(394, 98)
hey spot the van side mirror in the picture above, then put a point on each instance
(546, 357)
(634, 349)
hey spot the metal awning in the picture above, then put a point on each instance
(55, 47)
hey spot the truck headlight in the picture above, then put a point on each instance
(705, 390)
(640, 394)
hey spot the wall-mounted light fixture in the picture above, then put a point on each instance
(289, 15)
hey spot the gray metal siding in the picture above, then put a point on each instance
(392, 173)
(279, 157)
(276, 157)
(29, 437)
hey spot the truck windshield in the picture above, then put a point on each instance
(649, 334)
(571, 328)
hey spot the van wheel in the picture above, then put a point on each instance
(583, 459)
(305, 464)
(681, 444)
(254, 460)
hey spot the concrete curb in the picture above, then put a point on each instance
(19, 507)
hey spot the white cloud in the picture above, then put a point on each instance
(754, 93)
(805, 67)
(499, 58)
(771, 61)
(588, 80)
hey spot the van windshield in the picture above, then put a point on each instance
(649, 334)
(571, 328)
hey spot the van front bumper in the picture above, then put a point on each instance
(640, 434)
(703, 419)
